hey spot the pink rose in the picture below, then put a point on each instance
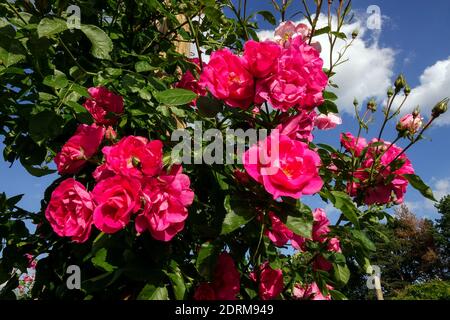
(70, 211)
(117, 198)
(189, 81)
(227, 78)
(270, 282)
(298, 127)
(299, 81)
(166, 199)
(310, 292)
(261, 57)
(134, 156)
(79, 148)
(289, 168)
(327, 122)
(410, 124)
(320, 225)
(279, 233)
(104, 105)
(226, 283)
(390, 185)
(353, 145)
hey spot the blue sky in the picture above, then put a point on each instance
(413, 37)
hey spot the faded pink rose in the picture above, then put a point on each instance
(270, 282)
(104, 105)
(298, 127)
(327, 122)
(69, 211)
(310, 292)
(166, 198)
(389, 185)
(410, 123)
(226, 281)
(79, 148)
(227, 78)
(352, 144)
(279, 234)
(261, 57)
(117, 198)
(284, 166)
(133, 156)
(189, 81)
(299, 81)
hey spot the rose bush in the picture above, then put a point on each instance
(98, 105)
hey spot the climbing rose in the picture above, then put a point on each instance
(352, 144)
(292, 170)
(279, 233)
(261, 57)
(226, 282)
(133, 156)
(287, 30)
(79, 148)
(389, 185)
(166, 198)
(310, 292)
(227, 78)
(320, 225)
(70, 211)
(299, 81)
(117, 198)
(270, 282)
(104, 105)
(189, 81)
(298, 127)
(410, 123)
(327, 122)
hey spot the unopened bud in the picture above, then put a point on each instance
(355, 33)
(407, 90)
(440, 108)
(372, 105)
(400, 83)
(355, 102)
(416, 112)
(390, 92)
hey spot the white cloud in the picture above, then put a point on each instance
(434, 86)
(368, 72)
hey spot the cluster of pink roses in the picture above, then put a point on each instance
(270, 281)
(286, 74)
(226, 283)
(376, 179)
(131, 180)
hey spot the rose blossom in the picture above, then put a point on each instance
(261, 57)
(189, 82)
(310, 292)
(227, 78)
(299, 81)
(320, 225)
(279, 233)
(321, 263)
(166, 199)
(270, 282)
(353, 145)
(133, 156)
(117, 198)
(289, 168)
(298, 127)
(70, 211)
(104, 105)
(327, 122)
(389, 185)
(410, 123)
(226, 282)
(79, 148)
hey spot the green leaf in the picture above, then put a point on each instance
(11, 51)
(50, 26)
(300, 221)
(101, 43)
(362, 238)
(341, 273)
(268, 16)
(57, 81)
(37, 171)
(337, 295)
(238, 214)
(328, 95)
(14, 200)
(150, 292)
(327, 107)
(345, 204)
(322, 31)
(419, 185)
(176, 278)
(99, 260)
(143, 66)
(175, 97)
(206, 259)
(43, 125)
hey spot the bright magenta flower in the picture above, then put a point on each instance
(104, 106)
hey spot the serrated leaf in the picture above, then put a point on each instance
(101, 43)
(418, 184)
(345, 204)
(50, 26)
